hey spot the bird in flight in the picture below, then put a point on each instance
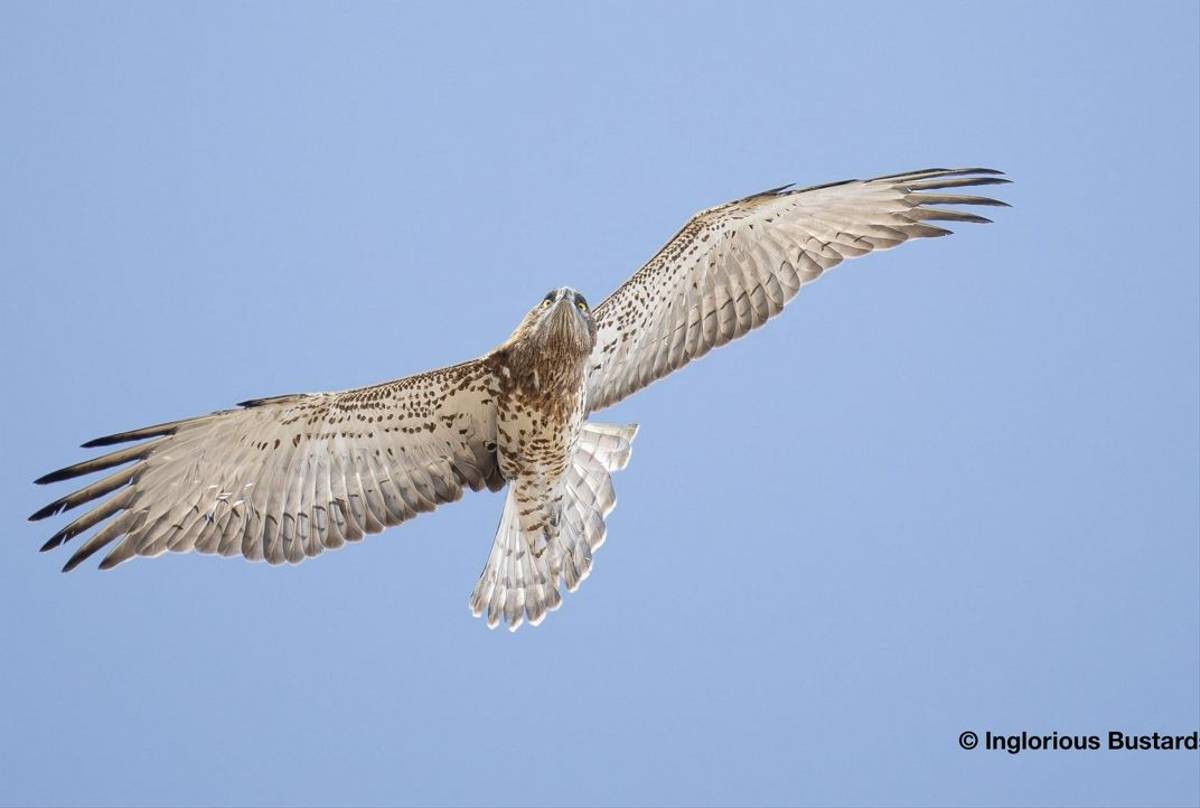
(283, 479)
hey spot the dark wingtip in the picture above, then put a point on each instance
(258, 402)
(51, 543)
(49, 510)
(108, 563)
(129, 437)
(995, 172)
(52, 477)
(77, 559)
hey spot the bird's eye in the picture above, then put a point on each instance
(546, 303)
(582, 306)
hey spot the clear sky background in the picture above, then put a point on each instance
(953, 488)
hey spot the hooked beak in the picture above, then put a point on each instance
(564, 321)
(563, 304)
(561, 315)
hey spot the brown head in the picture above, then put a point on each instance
(560, 324)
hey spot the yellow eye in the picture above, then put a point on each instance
(546, 303)
(582, 306)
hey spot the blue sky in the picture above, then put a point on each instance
(953, 488)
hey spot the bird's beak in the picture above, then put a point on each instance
(562, 306)
(561, 319)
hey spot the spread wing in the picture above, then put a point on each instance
(285, 478)
(733, 267)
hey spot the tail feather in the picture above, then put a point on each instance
(518, 583)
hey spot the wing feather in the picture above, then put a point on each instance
(733, 267)
(285, 478)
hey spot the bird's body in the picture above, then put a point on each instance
(283, 479)
(540, 408)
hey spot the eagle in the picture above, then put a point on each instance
(286, 478)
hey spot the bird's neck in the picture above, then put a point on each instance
(542, 369)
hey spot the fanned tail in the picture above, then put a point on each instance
(516, 584)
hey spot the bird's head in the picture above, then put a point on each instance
(561, 320)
